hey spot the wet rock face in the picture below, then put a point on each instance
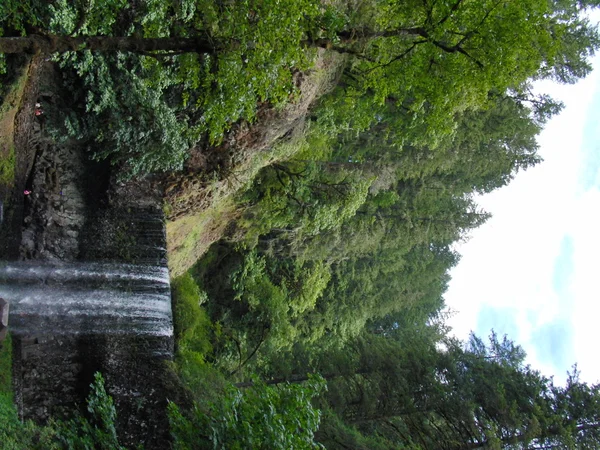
(54, 372)
(3, 319)
(128, 234)
(3, 313)
(56, 205)
(91, 245)
(71, 320)
(46, 375)
(111, 316)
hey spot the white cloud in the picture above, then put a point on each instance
(509, 262)
(586, 283)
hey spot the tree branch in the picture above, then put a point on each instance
(453, 9)
(396, 58)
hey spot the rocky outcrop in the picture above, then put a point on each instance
(56, 205)
(198, 200)
(77, 217)
(129, 227)
(3, 318)
(53, 373)
(186, 192)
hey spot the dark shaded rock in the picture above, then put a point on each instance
(3, 319)
(54, 373)
(56, 209)
(3, 313)
(77, 214)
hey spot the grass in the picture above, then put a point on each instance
(8, 112)
(7, 166)
(189, 237)
(5, 368)
(13, 434)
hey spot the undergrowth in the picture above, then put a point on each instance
(7, 167)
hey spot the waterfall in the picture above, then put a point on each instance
(91, 294)
(70, 320)
(87, 298)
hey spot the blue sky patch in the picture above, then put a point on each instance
(553, 343)
(501, 320)
(590, 152)
(563, 268)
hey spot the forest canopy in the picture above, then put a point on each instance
(197, 67)
(317, 313)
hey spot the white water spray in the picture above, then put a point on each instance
(87, 298)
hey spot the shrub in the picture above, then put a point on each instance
(97, 432)
(260, 417)
(94, 433)
(7, 167)
(192, 325)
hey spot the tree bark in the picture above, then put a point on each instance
(51, 43)
(40, 44)
(296, 378)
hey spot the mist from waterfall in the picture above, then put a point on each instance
(87, 298)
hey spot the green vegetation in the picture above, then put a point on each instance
(192, 325)
(96, 430)
(328, 252)
(474, 395)
(10, 98)
(224, 416)
(11, 427)
(190, 236)
(7, 167)
(5, 368)
(260, 417)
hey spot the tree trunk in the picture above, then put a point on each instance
(46, 45)
(295, 378)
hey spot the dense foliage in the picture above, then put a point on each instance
(430, 61)
(94, 430)
(338, 261)
(261, 417)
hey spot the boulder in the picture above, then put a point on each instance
(3, 318)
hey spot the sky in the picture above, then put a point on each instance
(533, 270)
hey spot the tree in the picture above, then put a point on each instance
(260, 417)
(433, 58)
(139, 98)
(437, 59)
(473, 396)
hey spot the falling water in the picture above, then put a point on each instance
(105, 307)
(70, 320)
(87, 298)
